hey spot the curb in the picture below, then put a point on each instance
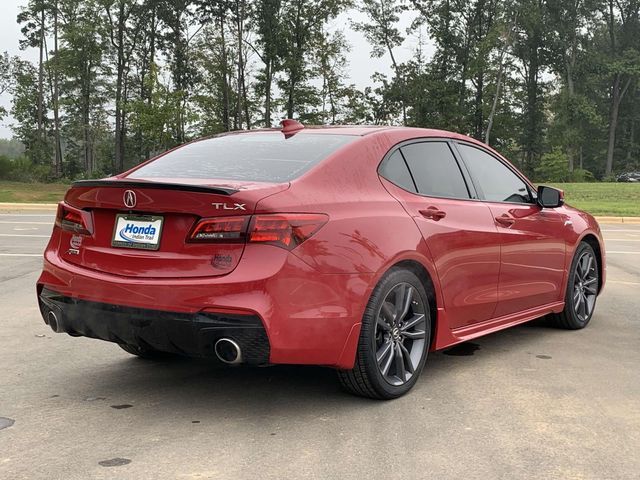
(626, 220)
(25, 207)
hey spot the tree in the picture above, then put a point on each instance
(382, 32)
(302, 22)
(32, 16)
(124, 19)
(8, 67)
(623, 24)
(268, 32)
(531, 51)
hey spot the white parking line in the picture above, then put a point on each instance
(27, 223)
(21, 255)
(20, 235)
(629, 253)
(622, 239)
(27, 215)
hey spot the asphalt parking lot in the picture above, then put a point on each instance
(529, 402)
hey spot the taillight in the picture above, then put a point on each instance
(73, 219)
(286, 230)
(222, 229)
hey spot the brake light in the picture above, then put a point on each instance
(286, 230)
(222, 229)
(74, 220)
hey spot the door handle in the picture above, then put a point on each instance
(433, 213)
(505, 221)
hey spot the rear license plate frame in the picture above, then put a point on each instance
(137, 245)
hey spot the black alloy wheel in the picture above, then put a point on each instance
(582, 290)
(394, 338)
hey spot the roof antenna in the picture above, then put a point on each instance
(290, 127)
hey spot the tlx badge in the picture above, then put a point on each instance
(228, 206)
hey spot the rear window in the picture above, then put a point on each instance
(260, 157)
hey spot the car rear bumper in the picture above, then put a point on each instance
(182, 333)
(307, 317)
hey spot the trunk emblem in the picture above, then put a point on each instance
(226, 206)
(129, 198)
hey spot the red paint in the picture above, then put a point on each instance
(492, 265)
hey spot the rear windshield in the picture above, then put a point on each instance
(260, 157)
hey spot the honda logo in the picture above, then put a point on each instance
(129, 198)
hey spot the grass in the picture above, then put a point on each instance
(606, 199)
(16, 192)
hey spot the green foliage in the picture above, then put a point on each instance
(580, 175)
(11, 148)
(21, 169)
(554, 86)
(553, 167)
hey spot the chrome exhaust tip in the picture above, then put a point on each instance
(52, 321)
(228, 351)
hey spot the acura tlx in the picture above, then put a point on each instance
(358, 248)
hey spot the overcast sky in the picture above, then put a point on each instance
(361, 65)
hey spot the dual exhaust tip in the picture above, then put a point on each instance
(228, 351)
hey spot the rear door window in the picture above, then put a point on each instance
(259, 157)
(435, 170)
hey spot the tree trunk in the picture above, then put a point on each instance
(396, 68)
(267, 94)
(57, 168)
(225, 81)
(240, 79)
(479, 114)
(119, 140)
(290, 97)
(41, 78)
(494, 105)
(617, 93)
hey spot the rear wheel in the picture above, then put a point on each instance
(144, 352)
(582, 290)
(394, 339)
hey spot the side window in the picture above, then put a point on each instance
(435, 170)
(395, 170)
(497, 182)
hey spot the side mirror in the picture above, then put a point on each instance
(549, 197)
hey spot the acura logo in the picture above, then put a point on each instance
(129, 198)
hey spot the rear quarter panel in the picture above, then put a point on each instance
(368, 230)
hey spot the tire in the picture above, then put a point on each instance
(144, 352)
(582, 290)
(391, 354)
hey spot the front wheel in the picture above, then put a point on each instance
(394, 339)
(582, 290)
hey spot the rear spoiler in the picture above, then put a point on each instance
(154, 185)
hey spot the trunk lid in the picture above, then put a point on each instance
(123, 209)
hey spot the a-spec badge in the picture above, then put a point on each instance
(229, 206)
(129, 198)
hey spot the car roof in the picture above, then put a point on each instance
(361, 130)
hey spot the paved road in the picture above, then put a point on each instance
(530, 402)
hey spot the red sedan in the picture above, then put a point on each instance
(359, 248)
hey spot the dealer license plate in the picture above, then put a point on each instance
(136, 231)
